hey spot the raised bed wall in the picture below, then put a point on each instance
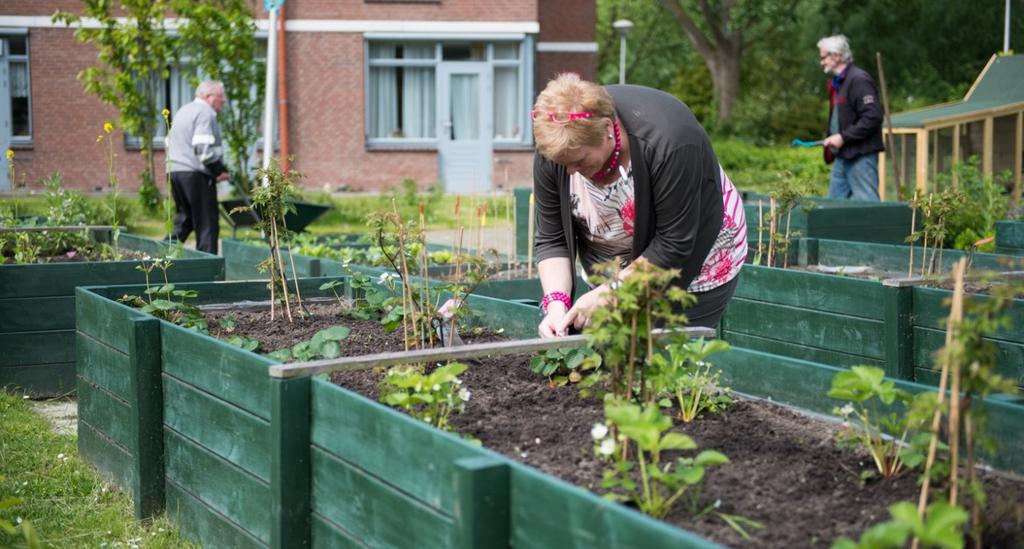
(896, 258)
(252, 461)
(37, 310)
(1010, 237)
(887, 222)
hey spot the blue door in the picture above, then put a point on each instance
(465, 127)
(5, 118)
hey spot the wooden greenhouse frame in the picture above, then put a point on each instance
(987, 122)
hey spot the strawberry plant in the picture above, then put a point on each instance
(431, 397)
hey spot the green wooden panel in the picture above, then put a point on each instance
(518, 320)
(896, 257)
(781, 379)
(162, 248)
(104, 319)
(238, 496)
(106, 413)
(40, 380)
(326, 535)
(230, 432)
(547, 512)
(1010, 235)
(930, 312)
(290, 462)
(1009, 355)
(113, 462)
(147, 416)
(794, 350)
(378, 514)
(37, 313)
(46, 347)
(241, 259)
(387, 444)
(522, 198)
(228, 372)
(848, 296)
(899, 341)
(203, 524)
(482, 505)
(60, 279)
(102, 365)
(828, 331)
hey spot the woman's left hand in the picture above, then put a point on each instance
(579, 316)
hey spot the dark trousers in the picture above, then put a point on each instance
(195, 202)
(711, 305)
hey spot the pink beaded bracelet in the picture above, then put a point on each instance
(555, 296)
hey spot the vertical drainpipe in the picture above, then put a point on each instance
(282, 91)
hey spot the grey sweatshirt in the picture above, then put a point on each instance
(194, 143)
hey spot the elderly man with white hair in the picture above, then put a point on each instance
(195, 162)
(854, 123)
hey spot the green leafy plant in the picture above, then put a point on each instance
(785, 197)
(431, 397)
(661, 484)
(160, 298)
(565, 365)
(9, 531)
(271, 202)
(940, 528)
(935, 212)
(883, 435)
(684, 372)
(324, 344)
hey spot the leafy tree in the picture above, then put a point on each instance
(133, 61)
(721, 30)
(219, 39)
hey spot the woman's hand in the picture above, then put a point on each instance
(549, 327)
(579, 316)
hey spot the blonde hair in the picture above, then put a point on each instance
(570, 93)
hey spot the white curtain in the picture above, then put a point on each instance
(506, 103)
(19, 78)
(418, 94)
(465, 107)
(383, 98)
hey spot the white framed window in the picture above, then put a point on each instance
(401, 88)
(16, 49)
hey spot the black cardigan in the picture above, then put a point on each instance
(860, 114)
(677, 187)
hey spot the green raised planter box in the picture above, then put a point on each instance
(242, 459)
(888, 222)
(1010, 237)
(37, 310)
(845, 321)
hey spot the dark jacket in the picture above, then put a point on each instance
(860, 114)
(677, 186)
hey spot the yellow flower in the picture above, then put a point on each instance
(99, 138)
(166, 113)
(107, 126)
(10, 154)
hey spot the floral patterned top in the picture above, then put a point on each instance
(605, 216)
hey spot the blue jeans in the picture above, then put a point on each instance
(857, 178)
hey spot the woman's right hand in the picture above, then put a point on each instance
(553, 319)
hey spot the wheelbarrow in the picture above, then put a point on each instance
(304, 214)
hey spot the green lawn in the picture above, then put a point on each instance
(62, 497)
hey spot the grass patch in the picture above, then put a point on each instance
(66, 502)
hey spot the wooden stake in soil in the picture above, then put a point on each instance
(785, 257)
(760, 228)
(511, 234)
(772, 229)
(956, 314)
(913, 219)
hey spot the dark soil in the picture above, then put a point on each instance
(785, 469)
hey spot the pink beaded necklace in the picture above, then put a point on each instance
(613, 162)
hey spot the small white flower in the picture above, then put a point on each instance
(464, 394)
(846, 410)
(386, 277)
(60, 456)
(18, 520)
(436, 387)
(599, 431)
(427, 419)
(536, 440)
(607, 447)
(457, 381)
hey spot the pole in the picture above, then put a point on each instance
(890, 138)
(270, 93)
(1006, 30)
(622, 57)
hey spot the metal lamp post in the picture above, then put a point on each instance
(622, 26)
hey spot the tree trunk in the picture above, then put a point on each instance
(724, 65)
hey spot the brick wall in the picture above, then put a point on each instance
(325, 96)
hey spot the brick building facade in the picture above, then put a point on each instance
(378, 91)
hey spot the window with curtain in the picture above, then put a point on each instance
(402, 88)
(20, 86)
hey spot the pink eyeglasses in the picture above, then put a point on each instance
(558, 117)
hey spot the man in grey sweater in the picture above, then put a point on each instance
(195, 162)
